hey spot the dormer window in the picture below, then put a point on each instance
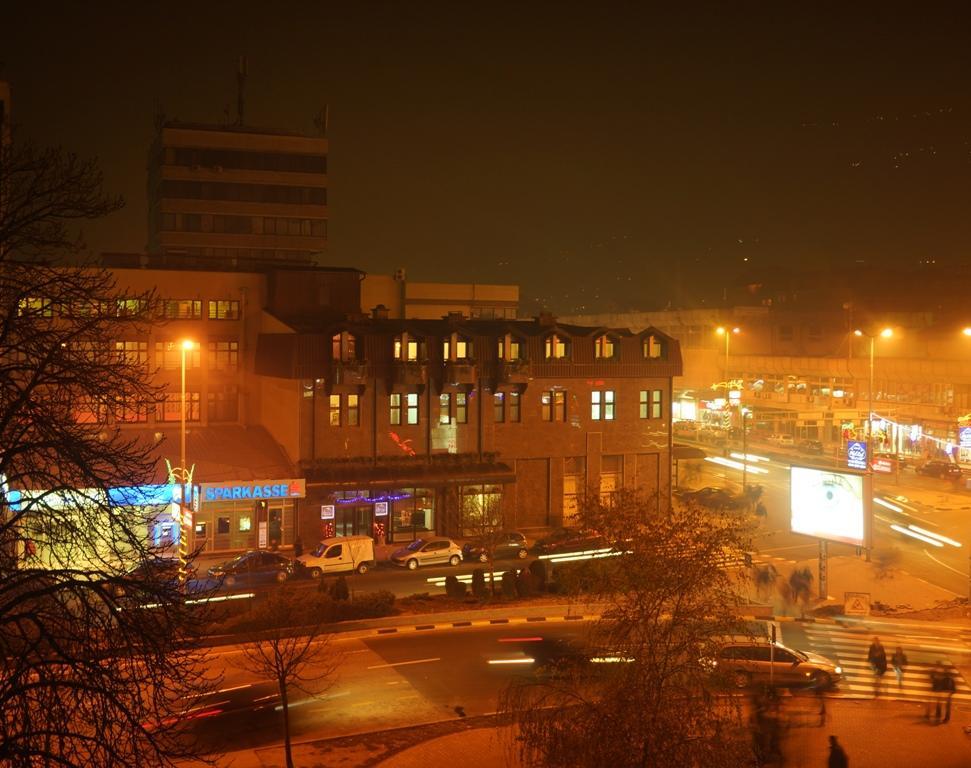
(510, 348)
(555, 347)
(344, 346)
(654, 347)
(461, 346)
(407, 348)
(604, 347)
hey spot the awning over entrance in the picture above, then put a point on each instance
(403, 474)
(687, 452)
(221, 453)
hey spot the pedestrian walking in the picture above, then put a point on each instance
(837, 755)
(877, 657)
(899, 661)
(947, 687)
(936, 683)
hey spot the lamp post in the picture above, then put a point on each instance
(727, 333)
(886, 333)
(185, 516)
(967, 332)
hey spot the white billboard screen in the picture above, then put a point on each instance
(827, 504)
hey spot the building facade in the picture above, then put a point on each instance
(236, 196)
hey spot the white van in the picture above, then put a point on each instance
(341, 554)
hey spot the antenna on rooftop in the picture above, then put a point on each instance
(240, 85)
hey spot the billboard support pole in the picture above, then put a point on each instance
(823, 570)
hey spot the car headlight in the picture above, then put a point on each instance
(838, 670)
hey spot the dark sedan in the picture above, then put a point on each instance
(569, 540)
(713, 498)
(153, 574)
(506, 544)
(253, 567)
(940, 468)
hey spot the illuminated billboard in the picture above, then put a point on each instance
(827, 504)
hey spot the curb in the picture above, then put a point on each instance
(404, 629)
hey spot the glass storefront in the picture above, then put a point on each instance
(246, 515)
(412, 513)
(481, 508)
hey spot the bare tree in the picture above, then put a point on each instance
(291, 653)
(639, 691)
(96, 666)
(484, 520)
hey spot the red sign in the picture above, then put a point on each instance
(883, 465)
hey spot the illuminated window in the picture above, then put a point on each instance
(514, 407)
(602, 405)
(603, 347)
(611, 477)
(168, 356)
(37, 307)
(651, 403)
(555, 347)
(170, 409)
(411, 402)
(353, 410)
(245, 523)
(395, 402)
(406, 349)
(463, 349)
(499, 407)
(132, 352)
(444, 409)
(554, 405)
(653, 347)
(223, 355)
(461, 408)
(343, 347)
(335, 410)
(181, 309)
(125, 307)
(224, 310)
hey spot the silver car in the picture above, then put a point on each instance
(745, 662)
(431, 551)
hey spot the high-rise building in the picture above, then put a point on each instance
(236, 196)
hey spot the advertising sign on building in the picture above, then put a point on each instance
(255, 490)
(964, 434)
(827, 504)
(380, 509)
(263, 536)
(856, 454)
(327, 512)
(883, 465)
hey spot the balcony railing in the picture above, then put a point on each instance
(350, 373)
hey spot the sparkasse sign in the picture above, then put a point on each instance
(258, 489)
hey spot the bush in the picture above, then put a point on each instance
(454, 588)
(538, 570)
(509, 584)
(525, 583)
(340, 591)
(367, 605)
(479, 589)
(581, 576)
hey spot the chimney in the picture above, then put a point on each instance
(380, 312)
(546, 319)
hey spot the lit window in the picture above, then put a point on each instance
(132, 352)
(168, 356)
(353, 410)
(554, 347)
(335, 410)
(653, 347)
(412, 403)
(554, 405)
(444, 409)
(461, 408)
(181, 309)
(604, 347)
(602, 405)
(650, 403)
(344, 347)
(395, 403)
(406, 349)
(36, 306)
(224, 310)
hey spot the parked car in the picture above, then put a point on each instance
(940, 468)
(505, 544)
(153, 573)
(430, 551)
(568, 540)
(811, 446)
(341, 554)
(786, 441)
(746, 662)
(713, 498)
(253, 567)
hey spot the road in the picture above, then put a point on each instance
(944, 563)
(423, 677)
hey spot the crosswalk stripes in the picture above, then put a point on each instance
(849, 649)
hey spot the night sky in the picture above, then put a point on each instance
(602, 155)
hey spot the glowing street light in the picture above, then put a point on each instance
(727, 333)
(185, 516)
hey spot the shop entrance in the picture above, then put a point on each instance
(354, 521)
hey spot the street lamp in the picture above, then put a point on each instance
(185, 516)
(727, 333)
